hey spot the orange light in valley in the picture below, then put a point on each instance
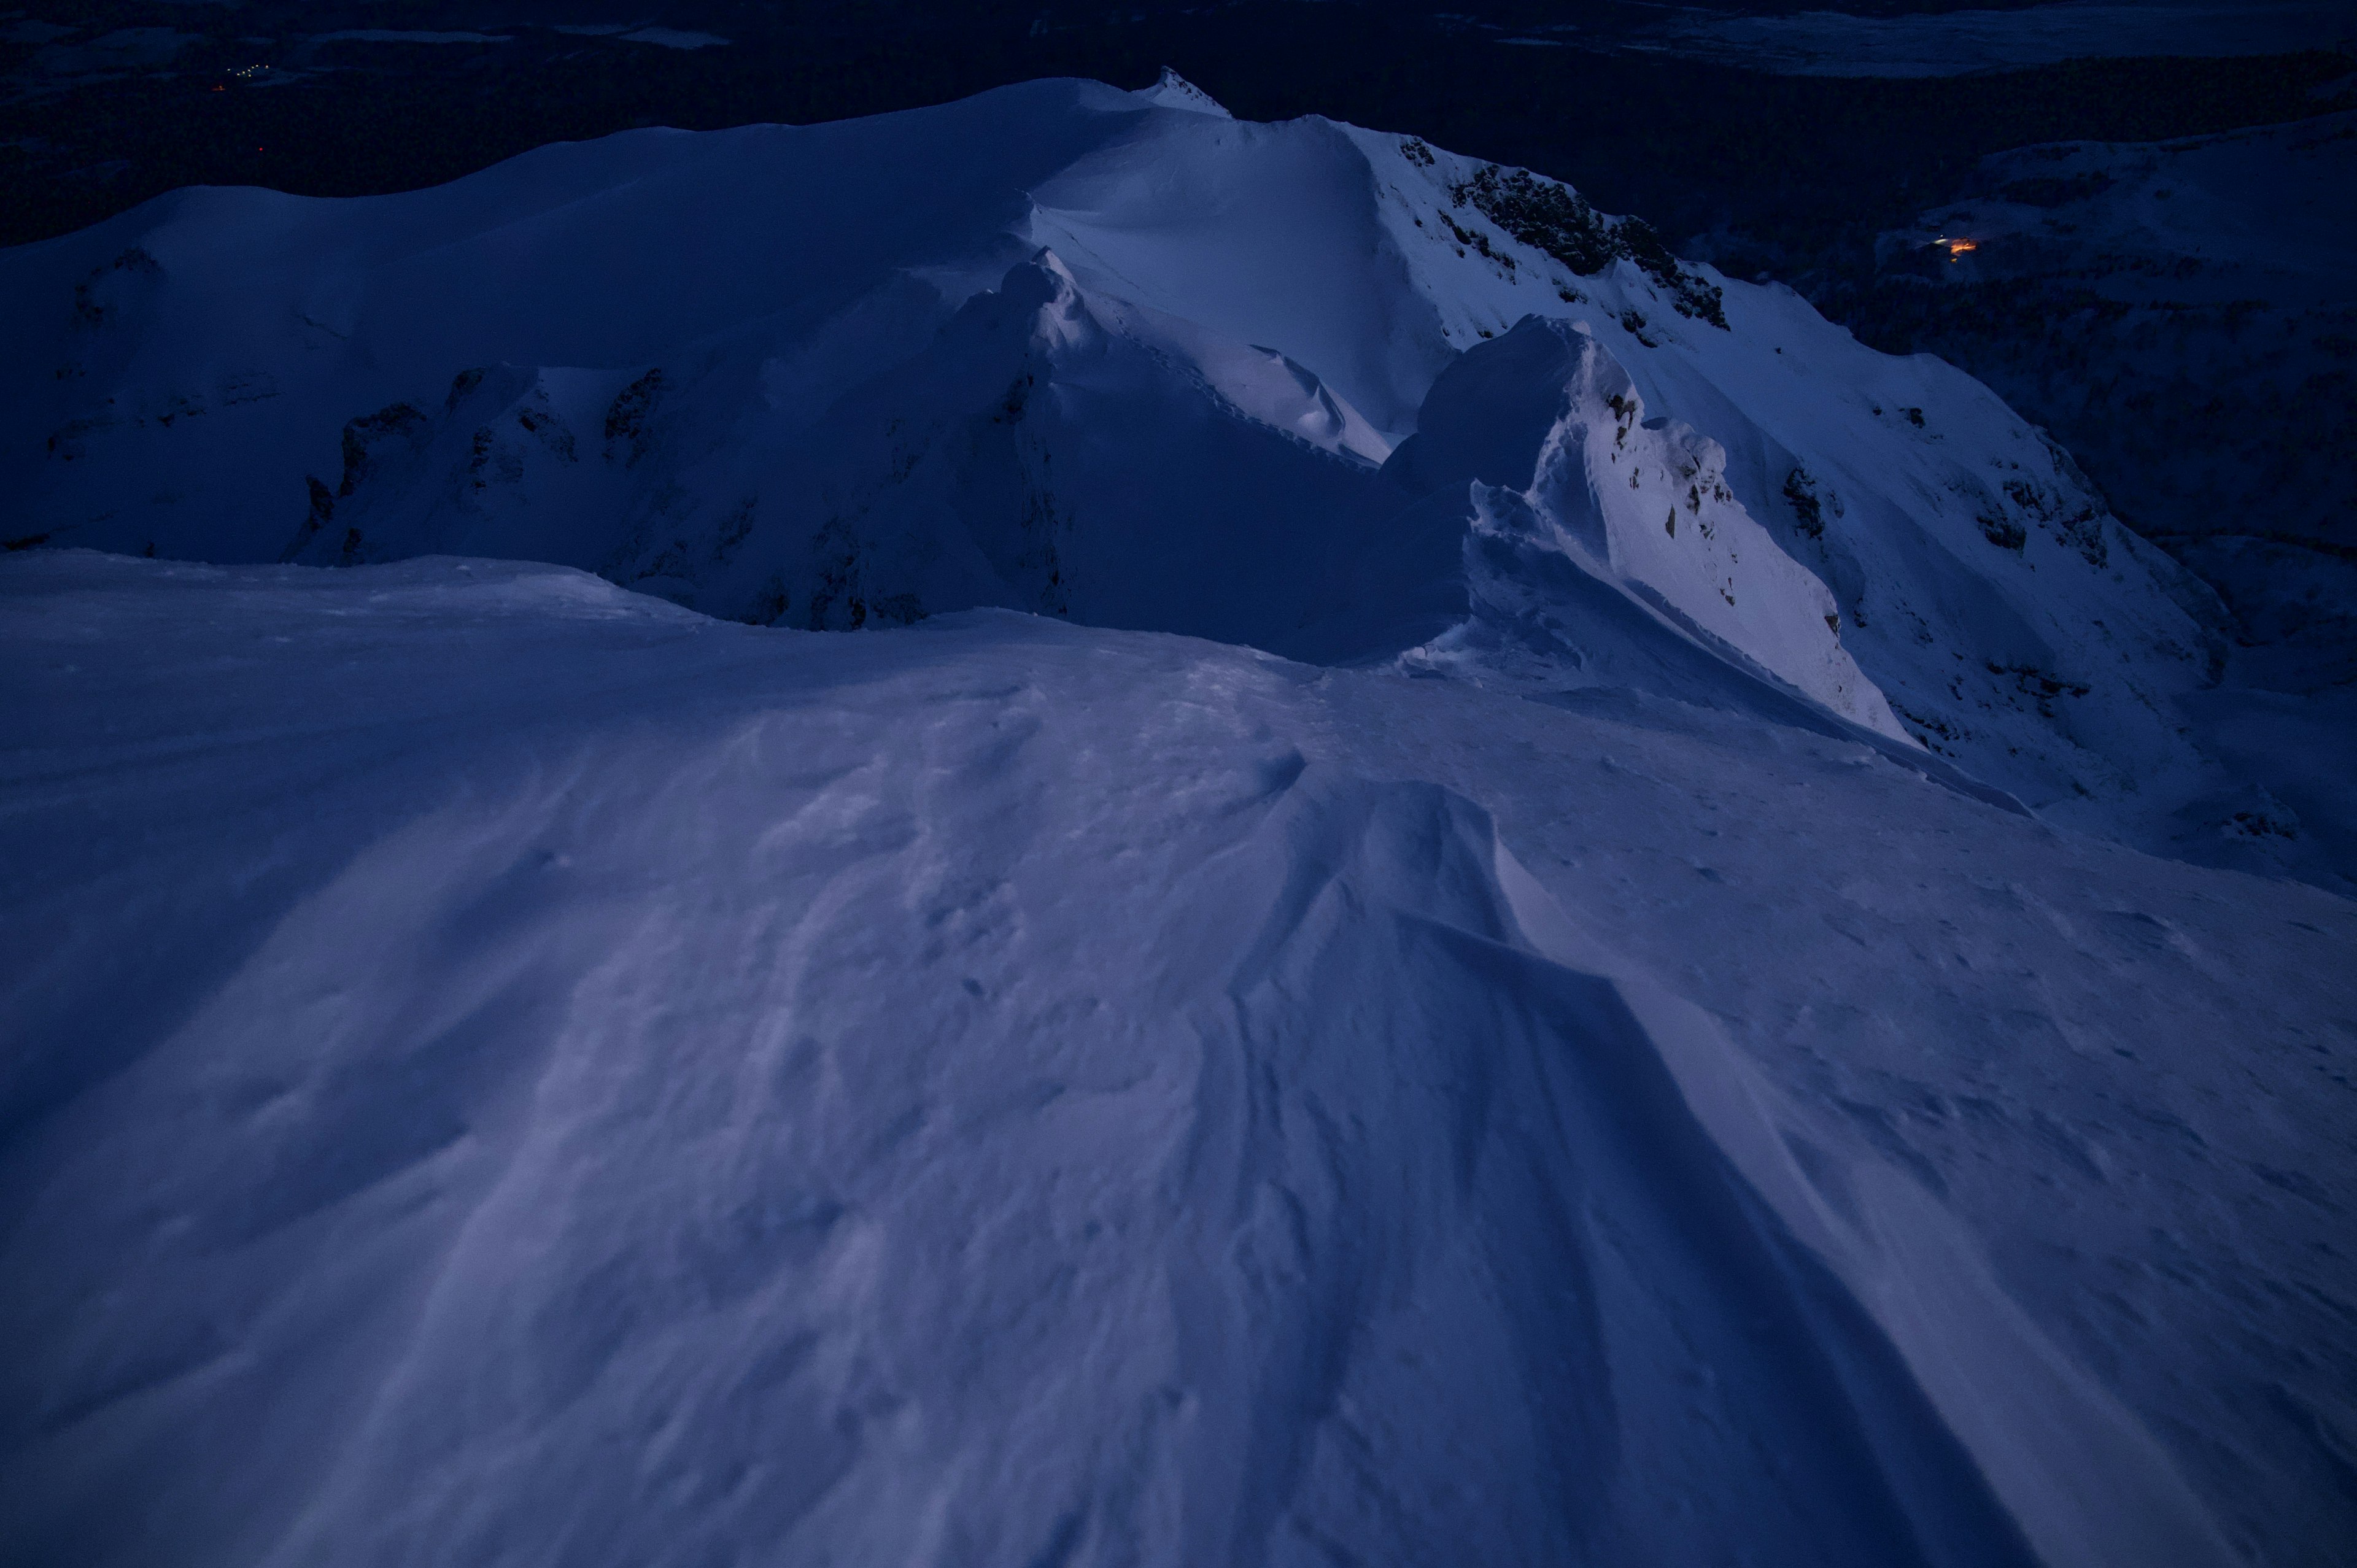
(1958, 247)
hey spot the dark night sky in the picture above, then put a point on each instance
(140, 97)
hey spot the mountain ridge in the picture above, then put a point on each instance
(2010, 624)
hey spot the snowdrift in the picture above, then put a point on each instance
(1004, 1092)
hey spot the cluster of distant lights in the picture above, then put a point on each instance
(248, 74)
(1956, 248)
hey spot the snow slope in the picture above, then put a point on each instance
(1122, 357)
(512, 1071)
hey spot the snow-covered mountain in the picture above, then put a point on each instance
(1120, 356)
(1501, 965)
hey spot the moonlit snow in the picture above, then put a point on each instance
(1063, 831)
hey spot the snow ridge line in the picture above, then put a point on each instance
(2082, 1479)
(1581, 1171)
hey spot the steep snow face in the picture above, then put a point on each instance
(558, 1077)
(1609, 487)
(751, 371)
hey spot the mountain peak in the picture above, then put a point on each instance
(1175, 92)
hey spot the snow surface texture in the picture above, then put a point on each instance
(1004, 1092)
(1122, 358)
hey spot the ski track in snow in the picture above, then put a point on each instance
(997, 1089)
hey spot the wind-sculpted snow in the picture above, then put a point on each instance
(516, 1071)
(812, 376)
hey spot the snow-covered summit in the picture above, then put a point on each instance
(1175, 92)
